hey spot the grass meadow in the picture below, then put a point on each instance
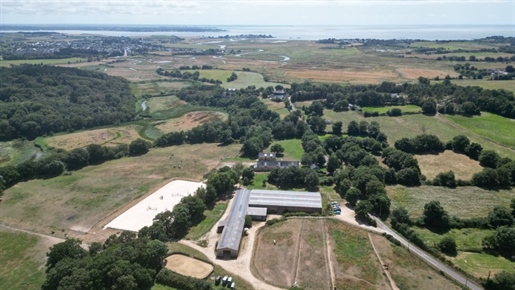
(463, 202)
(42, 61)
(277, 107)
(461, 165)
(494, 127)
(81, 199)
(413, 125)
(487, 84)
(246, 79)
(292, 149)
(212, 217)
(384, 110)
(21, 261)
(16, 151)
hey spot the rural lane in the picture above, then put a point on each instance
(428, 259)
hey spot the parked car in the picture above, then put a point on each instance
(337, 212)
(218, 279)
(224, 280)
(233, 285)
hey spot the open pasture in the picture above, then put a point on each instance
(462, 166)
(23, 258)
(348, 76)
(410, 126)
(164, 199)
(415, 73)
(246, 79)
(407, 270)
(16, 151)
(86, 197)
(463, 202)
(190, 120)
(50, 61)
(156, 104)
(188, 266)
(355, 264)
(455, 45)
(278, 107)
(108, 136)
(481, 264)
(487, 84)
(405, 109)
(493, 127)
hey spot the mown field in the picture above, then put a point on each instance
(384, 110)
(462, 166)
(246, 79)
(292, 149)
(84, 197)
(491, 126)
(487, 84)
(463, 202)
(23, 258)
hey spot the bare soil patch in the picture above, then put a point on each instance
(414, 73)
(190, 120)
(187, 266)
(275, 263)
(462, 166)
(363, 77)
(107, 136)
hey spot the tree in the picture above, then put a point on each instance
(138, 147)
(277, 148)
(374, 187)
(311, 179)
(333, 163)
(363, 128)
(460, 143)
(447, 245)
(247, 175)
(469, 109)
(503, 280)
(362, 209)
(487, 178)
(195, 206)
(500, 216)
(352, 196)
(400, 215)
(474, 150)
(408, 176)
(353, 128)
(445, 179)
(252, 147)
(435, 216)
(316, 108)
(429, 108)
(248, 221)
(488, 158)
(337, 128)
(71, 248)
(181, 220)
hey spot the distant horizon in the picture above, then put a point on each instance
(290, 25)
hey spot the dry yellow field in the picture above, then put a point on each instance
(190, 120)
(367, 77)
(107, 136)
(414, 73)
(187, 266)
(462, 166)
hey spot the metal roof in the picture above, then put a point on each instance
(262, 198)
(257, 211)
(233, 230)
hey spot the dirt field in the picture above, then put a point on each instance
(275, 263)
(190, 121)
(462, 166)
(108, 136)
(187, 266)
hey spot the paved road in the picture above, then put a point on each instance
(439, 265)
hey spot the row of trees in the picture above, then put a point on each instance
(195, 76)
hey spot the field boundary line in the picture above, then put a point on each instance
(297, 251)
(385, 270)
(327, 256)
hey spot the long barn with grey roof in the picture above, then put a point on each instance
(257, 203)
(279, 201)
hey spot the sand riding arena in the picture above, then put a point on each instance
(188, 266)
(163, 199)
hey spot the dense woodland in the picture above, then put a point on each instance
(39, 100)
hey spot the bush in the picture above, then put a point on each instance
(172, 279)
(274, 221)
(448, 246)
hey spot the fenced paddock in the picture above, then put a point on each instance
(188, 266)
(163, 199)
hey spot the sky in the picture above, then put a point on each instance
(259, 12)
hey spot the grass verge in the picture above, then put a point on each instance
(212, 216)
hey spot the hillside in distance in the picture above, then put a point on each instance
(37, 100)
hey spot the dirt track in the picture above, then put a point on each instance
(188, 266)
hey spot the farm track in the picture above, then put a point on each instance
(385, 271)
(327, 256)
(297, 250)
(443, 119)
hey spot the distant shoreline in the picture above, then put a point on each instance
(286, 32)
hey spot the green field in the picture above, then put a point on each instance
(212, 216)
(481, 265)
(466, 239)
(410, 126)
(452, 200)
(292, 149)
(42, 61)
(16, 151)
(405, 109)
(487, 84)
(491, 126)
(453, 45)
(20, 266)
(246, 79)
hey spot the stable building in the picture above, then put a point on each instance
(279, 201)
